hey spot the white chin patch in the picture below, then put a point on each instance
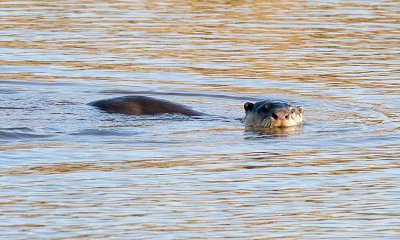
(289, 123)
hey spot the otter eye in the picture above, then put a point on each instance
(265, 108)
(292, 111)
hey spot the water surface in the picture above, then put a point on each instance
(71, 171)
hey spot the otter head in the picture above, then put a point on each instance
(267, 114)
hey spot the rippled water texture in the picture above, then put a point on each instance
(68, 170)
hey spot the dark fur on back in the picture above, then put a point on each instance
(142, 105)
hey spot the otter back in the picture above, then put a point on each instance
(141, 105)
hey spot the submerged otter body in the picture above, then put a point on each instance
(264, 114)
(141, 105)
(270, 114)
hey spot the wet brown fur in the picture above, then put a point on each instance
(270, 114)
(141, 105)
(264, 114)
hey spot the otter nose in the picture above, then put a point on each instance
(281, 114)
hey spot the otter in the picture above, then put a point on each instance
(270, 114)
(264, 114)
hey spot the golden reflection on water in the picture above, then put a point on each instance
(315, 37)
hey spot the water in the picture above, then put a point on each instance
(71, 171)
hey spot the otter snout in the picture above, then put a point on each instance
(280, 114)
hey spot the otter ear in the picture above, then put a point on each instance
(248, 106)
(301, 109)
